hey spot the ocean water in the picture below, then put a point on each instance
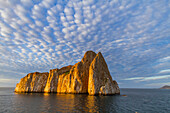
(137, 100)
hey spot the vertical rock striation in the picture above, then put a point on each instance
(90, 75)
(33, 82)
(100, 80)
(79, 74)
(54, 78)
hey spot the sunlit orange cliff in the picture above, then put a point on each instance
(91, 75)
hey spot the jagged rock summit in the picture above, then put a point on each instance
(91, 75)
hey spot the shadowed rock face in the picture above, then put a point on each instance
(90, 75)
(115, 84)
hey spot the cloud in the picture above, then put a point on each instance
(158, 84)
(148, 78)
(165, 71)
(27, 3)
(40, 35)
(135, 78)
(165, 59)
(9, 80)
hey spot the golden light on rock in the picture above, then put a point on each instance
(90, 75)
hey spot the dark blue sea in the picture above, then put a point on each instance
(137, 100)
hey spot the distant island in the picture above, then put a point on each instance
(165, 87)
(91, 76)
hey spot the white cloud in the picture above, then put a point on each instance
(165, 71)
(158, 84)
(47, 3)
(27, 3)
(88, 2)
(148, 78)
(134, 78)
(39, 23)
(68, 11)
(165, 59)
(133, 36)
(9, 80)
(20, 11)
(70, 18)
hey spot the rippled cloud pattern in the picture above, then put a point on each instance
(134, 37)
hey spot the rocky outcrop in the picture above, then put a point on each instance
(90, 75)
(100, 80)
(115, 84)
(165, 87)
(71, 79)
(33, 82)
(79, 74)
(54, 76)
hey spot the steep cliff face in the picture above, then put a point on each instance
(90, 75)
(115, 84)
(53, 79)
(71, 79)
(79, 74)
(33, 82)
(100, 80)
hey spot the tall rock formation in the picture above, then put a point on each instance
(90, 75)
(100, 80)
(55, 76)
(79, 74)
(71, 79)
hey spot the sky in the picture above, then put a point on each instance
(132, 35)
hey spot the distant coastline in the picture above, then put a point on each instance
(165, 87)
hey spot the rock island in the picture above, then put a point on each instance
(91, 75)
(165, 87)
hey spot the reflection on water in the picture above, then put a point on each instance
(137, 100)
(48, 102)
